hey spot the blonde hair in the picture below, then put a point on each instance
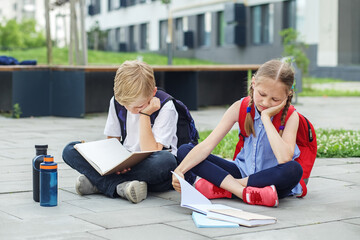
(133, 80)
(278, 71)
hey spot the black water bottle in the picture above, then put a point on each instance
(41, 152)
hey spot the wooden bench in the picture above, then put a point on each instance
(73, 91)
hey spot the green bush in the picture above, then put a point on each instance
(16, 112)
(295, 48)
(331, 143)
(14, 35)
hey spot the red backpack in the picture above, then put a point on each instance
(305, 139)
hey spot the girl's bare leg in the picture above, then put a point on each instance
(235, 186)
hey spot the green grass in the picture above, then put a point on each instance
(310, 80)
(226, 147)
(338, 143)
(310, 91)
(331, 143)
(60, 57)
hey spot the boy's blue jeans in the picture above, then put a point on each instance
(154, 170)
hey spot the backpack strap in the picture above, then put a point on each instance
(277, 118)
(121, 113)
(242, 115)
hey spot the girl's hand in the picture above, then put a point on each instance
(153, 106)
(123, 171)
(175, 181)
(270, 112)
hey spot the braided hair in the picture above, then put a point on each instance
(278, 71)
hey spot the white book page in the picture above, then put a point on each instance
(193, 199)
(104, 153)
(189, 195)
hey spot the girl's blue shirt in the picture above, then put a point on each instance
(258, 153)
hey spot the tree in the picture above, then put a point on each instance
(31, 37)
(96, 37)
(11, 35)
(295, 48)
(15, 35)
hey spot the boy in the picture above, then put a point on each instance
(134, 88)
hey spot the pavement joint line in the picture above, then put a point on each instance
(11, 215)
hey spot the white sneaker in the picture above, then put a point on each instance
(83, 186)
(134, 191)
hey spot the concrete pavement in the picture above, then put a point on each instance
(331, 210)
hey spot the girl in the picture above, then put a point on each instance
(264, 169)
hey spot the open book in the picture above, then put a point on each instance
(238, 216)
(193, 199)
(109, 155)
(202, 221)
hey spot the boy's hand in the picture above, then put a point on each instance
(153, 106)
(123, 171)
(274, 110)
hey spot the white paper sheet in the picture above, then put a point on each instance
(193, 199)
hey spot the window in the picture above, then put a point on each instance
(121, 39)
(113, 5)
(163, 34)
(294, 14)
(131, 2)
(117, 35)
(221, 24)
(133, 36)
(300, 15)
(122, 35)
(94, 7)
(289, 14)
(204, 29)
(111, 41)
(144, 36)
(262, 17)
(179, 34)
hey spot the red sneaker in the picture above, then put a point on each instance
(211, 191)
(266, 196)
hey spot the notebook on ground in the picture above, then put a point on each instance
(241, 217)
(202, 221)
(109, 155)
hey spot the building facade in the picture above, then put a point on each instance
(235, 32)
(223, 31)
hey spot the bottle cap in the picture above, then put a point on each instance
(48, 159)
(45, 146)
(48, 163)
(46, 166)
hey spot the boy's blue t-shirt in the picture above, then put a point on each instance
(258, 153)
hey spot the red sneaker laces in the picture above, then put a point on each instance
(255, 197)
(217, 190)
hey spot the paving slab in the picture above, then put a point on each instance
(45, 228)
(151, 231)
(328, 231)
(331, 210)
(105, 204)
(135, 216)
